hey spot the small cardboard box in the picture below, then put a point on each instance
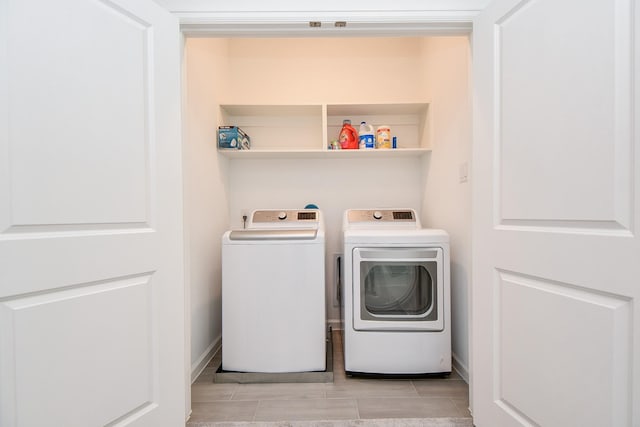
(233, 137)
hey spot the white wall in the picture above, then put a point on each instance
(206, 201)
(447, 201)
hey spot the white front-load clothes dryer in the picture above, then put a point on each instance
(395, 296)
(273, 293)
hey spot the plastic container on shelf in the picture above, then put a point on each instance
(348, 136)
(367, 136)
(383, 137)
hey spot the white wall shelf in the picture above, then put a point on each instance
(305, 131)
(323, 154)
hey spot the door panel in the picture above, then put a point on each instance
(91, 295)
(536, 137)
(95, 120)
(556, 202)
(113, 354)
(538, 345)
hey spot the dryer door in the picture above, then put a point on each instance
(398, 289)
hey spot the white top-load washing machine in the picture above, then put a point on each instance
(395, 296)
(273, 293)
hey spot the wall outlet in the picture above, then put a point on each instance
(464, 172)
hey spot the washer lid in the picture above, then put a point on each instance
(274, 234)
(390, 236)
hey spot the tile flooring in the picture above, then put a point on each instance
(345, 402)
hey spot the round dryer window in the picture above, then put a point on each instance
(397, 290)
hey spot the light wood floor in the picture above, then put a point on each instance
(355, 399)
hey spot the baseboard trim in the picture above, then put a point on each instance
(198, 366)
(460, 368)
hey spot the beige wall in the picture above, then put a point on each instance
(447, 201)
(206, 202)
(325, 71)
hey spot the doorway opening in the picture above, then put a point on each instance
(301, 88)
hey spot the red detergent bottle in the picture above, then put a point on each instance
(348, 136)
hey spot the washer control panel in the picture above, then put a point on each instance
(381, 215)
(279, 216)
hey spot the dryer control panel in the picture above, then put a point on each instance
(381, 215)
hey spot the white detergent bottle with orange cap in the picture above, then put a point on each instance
(348, 136)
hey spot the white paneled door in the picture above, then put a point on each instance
(556, 253)
(91, 291)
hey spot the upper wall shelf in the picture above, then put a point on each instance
(305, 131)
